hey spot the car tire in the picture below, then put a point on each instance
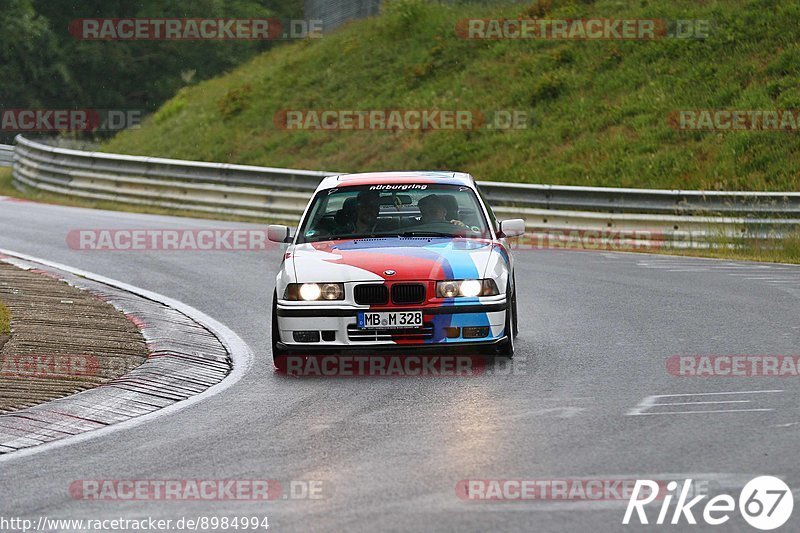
(506, 346)
(279, 357)
(514, 305)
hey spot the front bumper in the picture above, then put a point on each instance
(340, 323)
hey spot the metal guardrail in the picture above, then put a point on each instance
(282, 194)
(334, 13)
(6, 155)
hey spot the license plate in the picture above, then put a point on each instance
(389, 319)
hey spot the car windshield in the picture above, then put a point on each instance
(405, 210)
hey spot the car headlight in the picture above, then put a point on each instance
(468, 288)
(309, 292)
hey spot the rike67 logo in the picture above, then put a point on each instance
(765, 503)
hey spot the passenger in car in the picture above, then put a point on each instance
(433, 210)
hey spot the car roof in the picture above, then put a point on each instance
(399, 177)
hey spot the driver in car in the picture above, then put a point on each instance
(433, 211)
(364, 218)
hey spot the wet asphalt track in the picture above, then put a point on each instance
(596, 331)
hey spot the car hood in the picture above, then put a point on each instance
(411, 258)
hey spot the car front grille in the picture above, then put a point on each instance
(371, 294)
(373, 335)
(408, 293)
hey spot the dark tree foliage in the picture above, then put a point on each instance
(43, 66)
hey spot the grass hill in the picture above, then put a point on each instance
(600, 107)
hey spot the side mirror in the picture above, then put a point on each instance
(512, 228)
(278, 233)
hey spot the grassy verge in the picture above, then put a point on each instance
(786, 250)
(601, 109)
(5, 320)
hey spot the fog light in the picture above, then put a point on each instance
(452, 333)
(305, 336)
(475, 332)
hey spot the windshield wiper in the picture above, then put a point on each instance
(348, 237)
(427, 234)
(361, 236)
